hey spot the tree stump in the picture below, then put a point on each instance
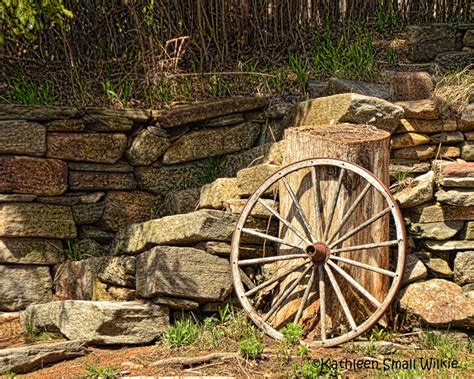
(363, 145)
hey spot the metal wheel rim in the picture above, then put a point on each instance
(401, 237)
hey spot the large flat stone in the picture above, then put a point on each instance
(183, 201)
(87, 147)
(204, 111)
(22, 137)
(351, 108)
(100, 322)
(438, 302)
(168, 179)
(447, 138)
(215, 194)
(436, 230)
(415, 270)
(408, 140)
(223, 249)
(447, 246)
(211, 142)
(406, 86)
(24, 285)
(36, 220)
(419, 191)
(467, 151)
(37, 176)
(100, 181)
(468, 231)
(401, 169)
(425, 42)
(72, 199)
(420, 109)
(462, 197)
(31, 251)
(441, 213)
(148, 146)
(107, 123)
(120, 166)
(464, 268)
(183, 272)
(337, 86)
(425, 152)
(426, 126)
(125, 208)
(271, 153)
(21, 360)
(249, 179)
(119, 271)
(74, 280)
(87, 213)
(458, 170)
(194, 227)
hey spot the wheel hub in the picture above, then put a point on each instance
(318, 252)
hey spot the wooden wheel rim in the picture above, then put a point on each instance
(401, 238)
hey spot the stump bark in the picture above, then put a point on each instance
(360, 144)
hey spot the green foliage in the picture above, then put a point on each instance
(251, 348)
(94, 372)
(445, 345)
(34, 334)
(391, 57)
(385, 21)
(121, 95)
(348, 59)
(74, 253)
(302, 351)
(217, 86)
(315, 370)
(183, 332)
(30, 93)
(300, 67)
(292, 333)
(26, 17)
(380, 334)
(10, 374)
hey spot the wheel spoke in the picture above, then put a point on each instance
(361, 226)
(364, 265)
(270, 238)
(322, 302)
(354, 282)
(273, 280)
(276, 258)
(306, 224)
(350, 211)
(317, 210)
(368, 246)
(306, 295)
(340, 297)
(284, 221)
(286, 293)
(333, 204)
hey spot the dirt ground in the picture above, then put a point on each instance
(278, 361)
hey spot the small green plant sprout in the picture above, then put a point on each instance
(94, 372)
(391, 57)
(302, 351)
(251, 348)
(75, 253)
(316, 370)
(183, 332)
(300, 68)
(445, 345)
(380, 334)
(30, 93)
(292, 333)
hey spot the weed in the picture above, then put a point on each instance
(380, 334)
(10, 374)
(183, 332)
(226, 313)
(292, 333)
(315, 370)
(370, 350)
(33, 333)
(74, 253)
(30, 93)
(302, 351)
(94, 372)
(445, 346)
(300, 68)
(121, 95)
(385, 21)
(391, 57)
(251, 348)
(217, 87)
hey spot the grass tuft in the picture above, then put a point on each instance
(453, 90)
(94, 372)
(183, 332)
(292, 333)
(251, 348)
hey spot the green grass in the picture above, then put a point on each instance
(251, 348)
(313, 370)
(300, 67)
(380, 334)
(183, 332)
(74, 253)
(93, 372)
(445, 345)
(31, 93)
(34, 334)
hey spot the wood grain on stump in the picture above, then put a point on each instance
(365, 146)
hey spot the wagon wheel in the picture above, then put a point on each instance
(318, 265)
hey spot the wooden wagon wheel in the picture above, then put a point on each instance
(318, 258)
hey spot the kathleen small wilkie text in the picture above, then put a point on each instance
(387, 364)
